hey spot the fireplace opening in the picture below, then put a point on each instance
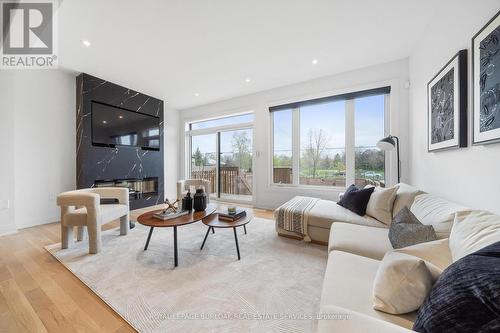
(138, 188)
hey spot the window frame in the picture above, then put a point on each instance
(350, 147)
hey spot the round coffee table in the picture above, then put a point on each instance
(149, 220)
(213, 221)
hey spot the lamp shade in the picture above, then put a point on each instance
(386, 143)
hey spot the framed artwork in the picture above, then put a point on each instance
(486, 83)
(447, 105)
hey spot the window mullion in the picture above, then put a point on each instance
(295, 146)
(349, 142)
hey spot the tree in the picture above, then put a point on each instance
(316, 144)
(198, 157)
(241, 149)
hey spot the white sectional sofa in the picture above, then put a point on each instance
(354, 255)
(357, 246)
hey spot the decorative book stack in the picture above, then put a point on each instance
(231, 217)
(168, 215)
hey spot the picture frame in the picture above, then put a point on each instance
(447, 105)
(485, 46)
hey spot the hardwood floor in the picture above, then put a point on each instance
(38, 294)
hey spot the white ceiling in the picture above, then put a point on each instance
(174, 49)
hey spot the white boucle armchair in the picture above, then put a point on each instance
(83, 209)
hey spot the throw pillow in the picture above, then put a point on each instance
(401, 284)
(407, 230)
(381, 203)
(466, 297)
(472, 231)
(356, 200)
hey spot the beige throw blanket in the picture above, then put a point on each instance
(293, 215)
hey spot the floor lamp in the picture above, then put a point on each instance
(389, 143)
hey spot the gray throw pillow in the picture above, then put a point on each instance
(407, 230)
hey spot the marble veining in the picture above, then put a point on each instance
(104, 163)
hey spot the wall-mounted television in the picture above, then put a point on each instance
(115, 126)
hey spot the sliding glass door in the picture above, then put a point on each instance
(221, 152)
(235, 171)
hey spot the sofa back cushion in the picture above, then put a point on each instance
(381, 203)
(472, 231)
(432, 210)
(404, 197)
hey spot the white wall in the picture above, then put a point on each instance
(171, 144)
(7, 224)
(44, 143)
(467, 175)
(394, 74)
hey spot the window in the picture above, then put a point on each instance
(330, 141)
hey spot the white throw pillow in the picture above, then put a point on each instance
(402, 283)
(472, 231)
(436, 255)
(381, 203)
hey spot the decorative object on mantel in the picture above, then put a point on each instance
(447, 105)
(199, 200)
(486, 83)
(388, 144)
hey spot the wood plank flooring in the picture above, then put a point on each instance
(38, 294)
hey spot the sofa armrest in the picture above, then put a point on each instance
(337, 319)
(120, 193)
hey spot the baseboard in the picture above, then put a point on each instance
(29, 225)
(11, 232)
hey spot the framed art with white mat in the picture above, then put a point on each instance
(486, 83)
(447, 105)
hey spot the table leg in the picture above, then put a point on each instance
(175, 247)
(149, 238)
(205, 239)
(236, 240)
(213, 230)
(245, 228)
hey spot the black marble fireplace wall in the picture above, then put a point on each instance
(95, 164)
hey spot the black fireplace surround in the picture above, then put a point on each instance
(139, 169)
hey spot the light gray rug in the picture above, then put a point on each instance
(275, 287)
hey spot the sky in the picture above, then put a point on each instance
(330, 117)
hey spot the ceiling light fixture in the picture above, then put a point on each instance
(314, 61)
(104, 122)
(247, 80)
(121, 117)
(85, 43)
(196, 94)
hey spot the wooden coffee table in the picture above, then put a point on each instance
(149, 220)
(212, 221)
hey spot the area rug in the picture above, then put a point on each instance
(275, 287)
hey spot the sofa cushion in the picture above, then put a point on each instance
(325, 212)
(404, 197)
(348, 283)
(356, 199)
(407, 230)
(381, 203)
(436, 255)
(466, 297)
(472, 231)
(371, 242)
(338, 319)
(432, 210)
(402, 283)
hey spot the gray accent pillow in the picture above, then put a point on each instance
(407, 230)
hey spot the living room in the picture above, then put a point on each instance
(355, 140)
